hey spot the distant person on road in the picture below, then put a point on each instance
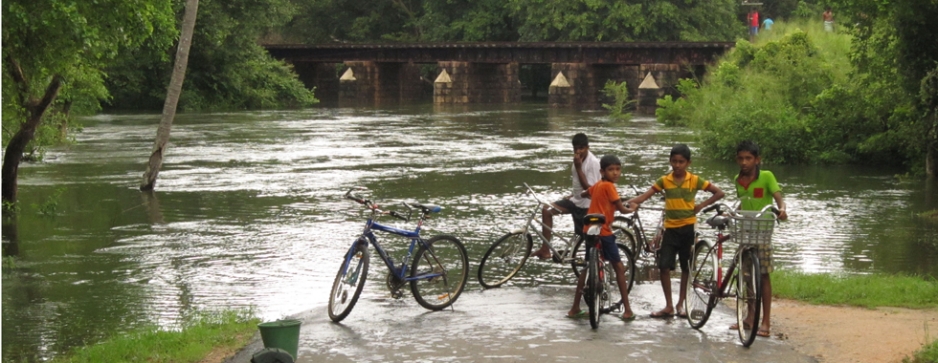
(585, 173)
(767, 24)
(828, 19)
(605, 200)
(753, 24)
(680, 216)
(757, 188)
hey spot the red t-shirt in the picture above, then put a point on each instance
(755, 19)
(602, 196)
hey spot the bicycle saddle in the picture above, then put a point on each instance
(595, 218)
(718, 221)
(426, 208)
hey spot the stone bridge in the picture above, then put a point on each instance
(572, 74)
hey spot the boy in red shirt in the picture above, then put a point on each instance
(605, 200)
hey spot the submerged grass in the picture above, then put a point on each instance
(202, 335)
(856, 290)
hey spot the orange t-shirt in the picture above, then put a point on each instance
(602, 195)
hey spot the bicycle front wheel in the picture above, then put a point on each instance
(504, 259)
(748, 295)
(594, 287)
(349, 282)
(439, 272)
(702, 285)
(612, 297)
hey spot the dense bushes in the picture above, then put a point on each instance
(797, 93)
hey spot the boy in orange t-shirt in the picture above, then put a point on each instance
(605, 200)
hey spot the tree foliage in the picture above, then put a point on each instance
(228, 69)
(54, 54)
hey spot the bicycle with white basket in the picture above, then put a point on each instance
(707, 285)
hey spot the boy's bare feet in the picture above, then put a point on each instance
(542, 254)
(663, 313)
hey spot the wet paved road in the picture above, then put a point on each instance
(516, 324)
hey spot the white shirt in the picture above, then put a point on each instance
(591, 171)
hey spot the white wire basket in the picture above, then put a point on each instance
(749, 229)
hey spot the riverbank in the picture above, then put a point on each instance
(843, 334)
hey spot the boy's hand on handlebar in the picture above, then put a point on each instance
(782, 215)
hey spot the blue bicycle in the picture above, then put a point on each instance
(437, 274)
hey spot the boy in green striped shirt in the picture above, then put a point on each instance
(680, 189)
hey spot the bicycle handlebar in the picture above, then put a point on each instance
(427, 209)
(722, 207)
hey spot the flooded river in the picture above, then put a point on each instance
(249, 212)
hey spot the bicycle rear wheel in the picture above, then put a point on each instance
(594, 287)
(504, 259)
(349, 280)
(439, 273)
(748, 295)
(702, 285)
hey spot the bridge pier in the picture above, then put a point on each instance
(467, 82)
(585, 82)
(380, 83)
(320, 77)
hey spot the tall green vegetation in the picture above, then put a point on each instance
(862, 94)
(514, 20)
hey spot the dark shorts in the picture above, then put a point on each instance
(577, 213)
(610, 249)
(677, 242)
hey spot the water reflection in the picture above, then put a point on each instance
(248, 209)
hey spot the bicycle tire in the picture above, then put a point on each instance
(748, 295)
(701, 285)
(593, 280)
(340, 304)
(628, 256)
(627, 225)
(448, 265)
(504, 259)
(612, 297)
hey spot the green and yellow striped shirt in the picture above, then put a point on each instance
(679, 200)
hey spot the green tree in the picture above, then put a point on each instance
(644, 20)
(895, 46)
(54, 53)
(227, 69)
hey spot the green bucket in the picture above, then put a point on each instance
(283, 334)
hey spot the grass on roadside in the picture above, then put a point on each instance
(868, 291)
(928, 354)
(856, 290)
(201, 335)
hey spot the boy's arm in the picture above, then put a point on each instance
(585, 193)
(717, 195)
(641, 198)
(782, 215)
(622, 208)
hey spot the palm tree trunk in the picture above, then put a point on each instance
(172, 96)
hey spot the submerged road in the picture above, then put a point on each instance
(514, 324)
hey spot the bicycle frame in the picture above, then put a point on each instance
(532, 223)
(399, 272)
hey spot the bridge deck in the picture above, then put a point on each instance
(505, 52)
